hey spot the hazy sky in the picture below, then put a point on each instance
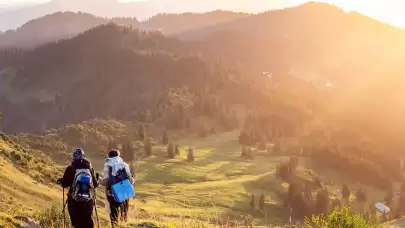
(384, 10)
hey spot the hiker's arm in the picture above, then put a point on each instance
(67, 177)
(93, 176)
(104, 179)
(130, 176)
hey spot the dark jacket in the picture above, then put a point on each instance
(69, 175)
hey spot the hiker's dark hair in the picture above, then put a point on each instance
(113, 153)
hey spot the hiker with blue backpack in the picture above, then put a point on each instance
(118, 181)
(81, 180)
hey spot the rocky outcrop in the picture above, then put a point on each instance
(28, 222)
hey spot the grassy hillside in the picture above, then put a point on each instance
(219, 184)
(26, 178)
(214, 189)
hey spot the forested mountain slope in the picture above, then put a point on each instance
(114, 71)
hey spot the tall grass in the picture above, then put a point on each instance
(52, 218)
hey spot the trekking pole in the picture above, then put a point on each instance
(95, 209)
(63, 207)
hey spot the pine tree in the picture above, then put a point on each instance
(388, 197)
(203, 132)
(127, 151)
(262, 145)
(322, 202)
(148, 148)
(250, 154)
(261, 201)
(165, 138)
(187, 122)
(317, 181)
(142, 134)
(345, 192)
(252, 201)
(244, 137)
(170, 151)
(243, 152)
(361, 196)
(177, 150)
(190, 155)
(112, 144)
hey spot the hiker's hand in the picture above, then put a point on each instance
(97, 176)
(59, 181)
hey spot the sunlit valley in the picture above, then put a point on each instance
(227, 119)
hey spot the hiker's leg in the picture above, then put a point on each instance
(84, 211)
(121, 212)
(73, 213)
(114, 208)
(88, 211)
(126, 208)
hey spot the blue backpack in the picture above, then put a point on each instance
(121, 187)
(82, 189)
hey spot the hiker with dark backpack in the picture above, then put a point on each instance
(118, 181)
(81, 180)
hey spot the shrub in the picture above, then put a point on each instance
(341, 219)
(52, 217)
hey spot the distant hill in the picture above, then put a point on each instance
(173, 24)
(15, 18)
(55, 27)
(315, 41)
(139, 9)
(299, 39)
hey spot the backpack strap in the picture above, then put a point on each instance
(110, 177)
(74, 177)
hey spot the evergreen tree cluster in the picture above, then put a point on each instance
(307, 198)
(357, 168)
(287, 170)
(265, 127)
(179, 87)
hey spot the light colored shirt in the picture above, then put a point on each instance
(116, 163)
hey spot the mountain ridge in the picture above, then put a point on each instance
(141, 9)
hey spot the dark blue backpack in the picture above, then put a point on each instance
(121, 189)
(121, 176)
